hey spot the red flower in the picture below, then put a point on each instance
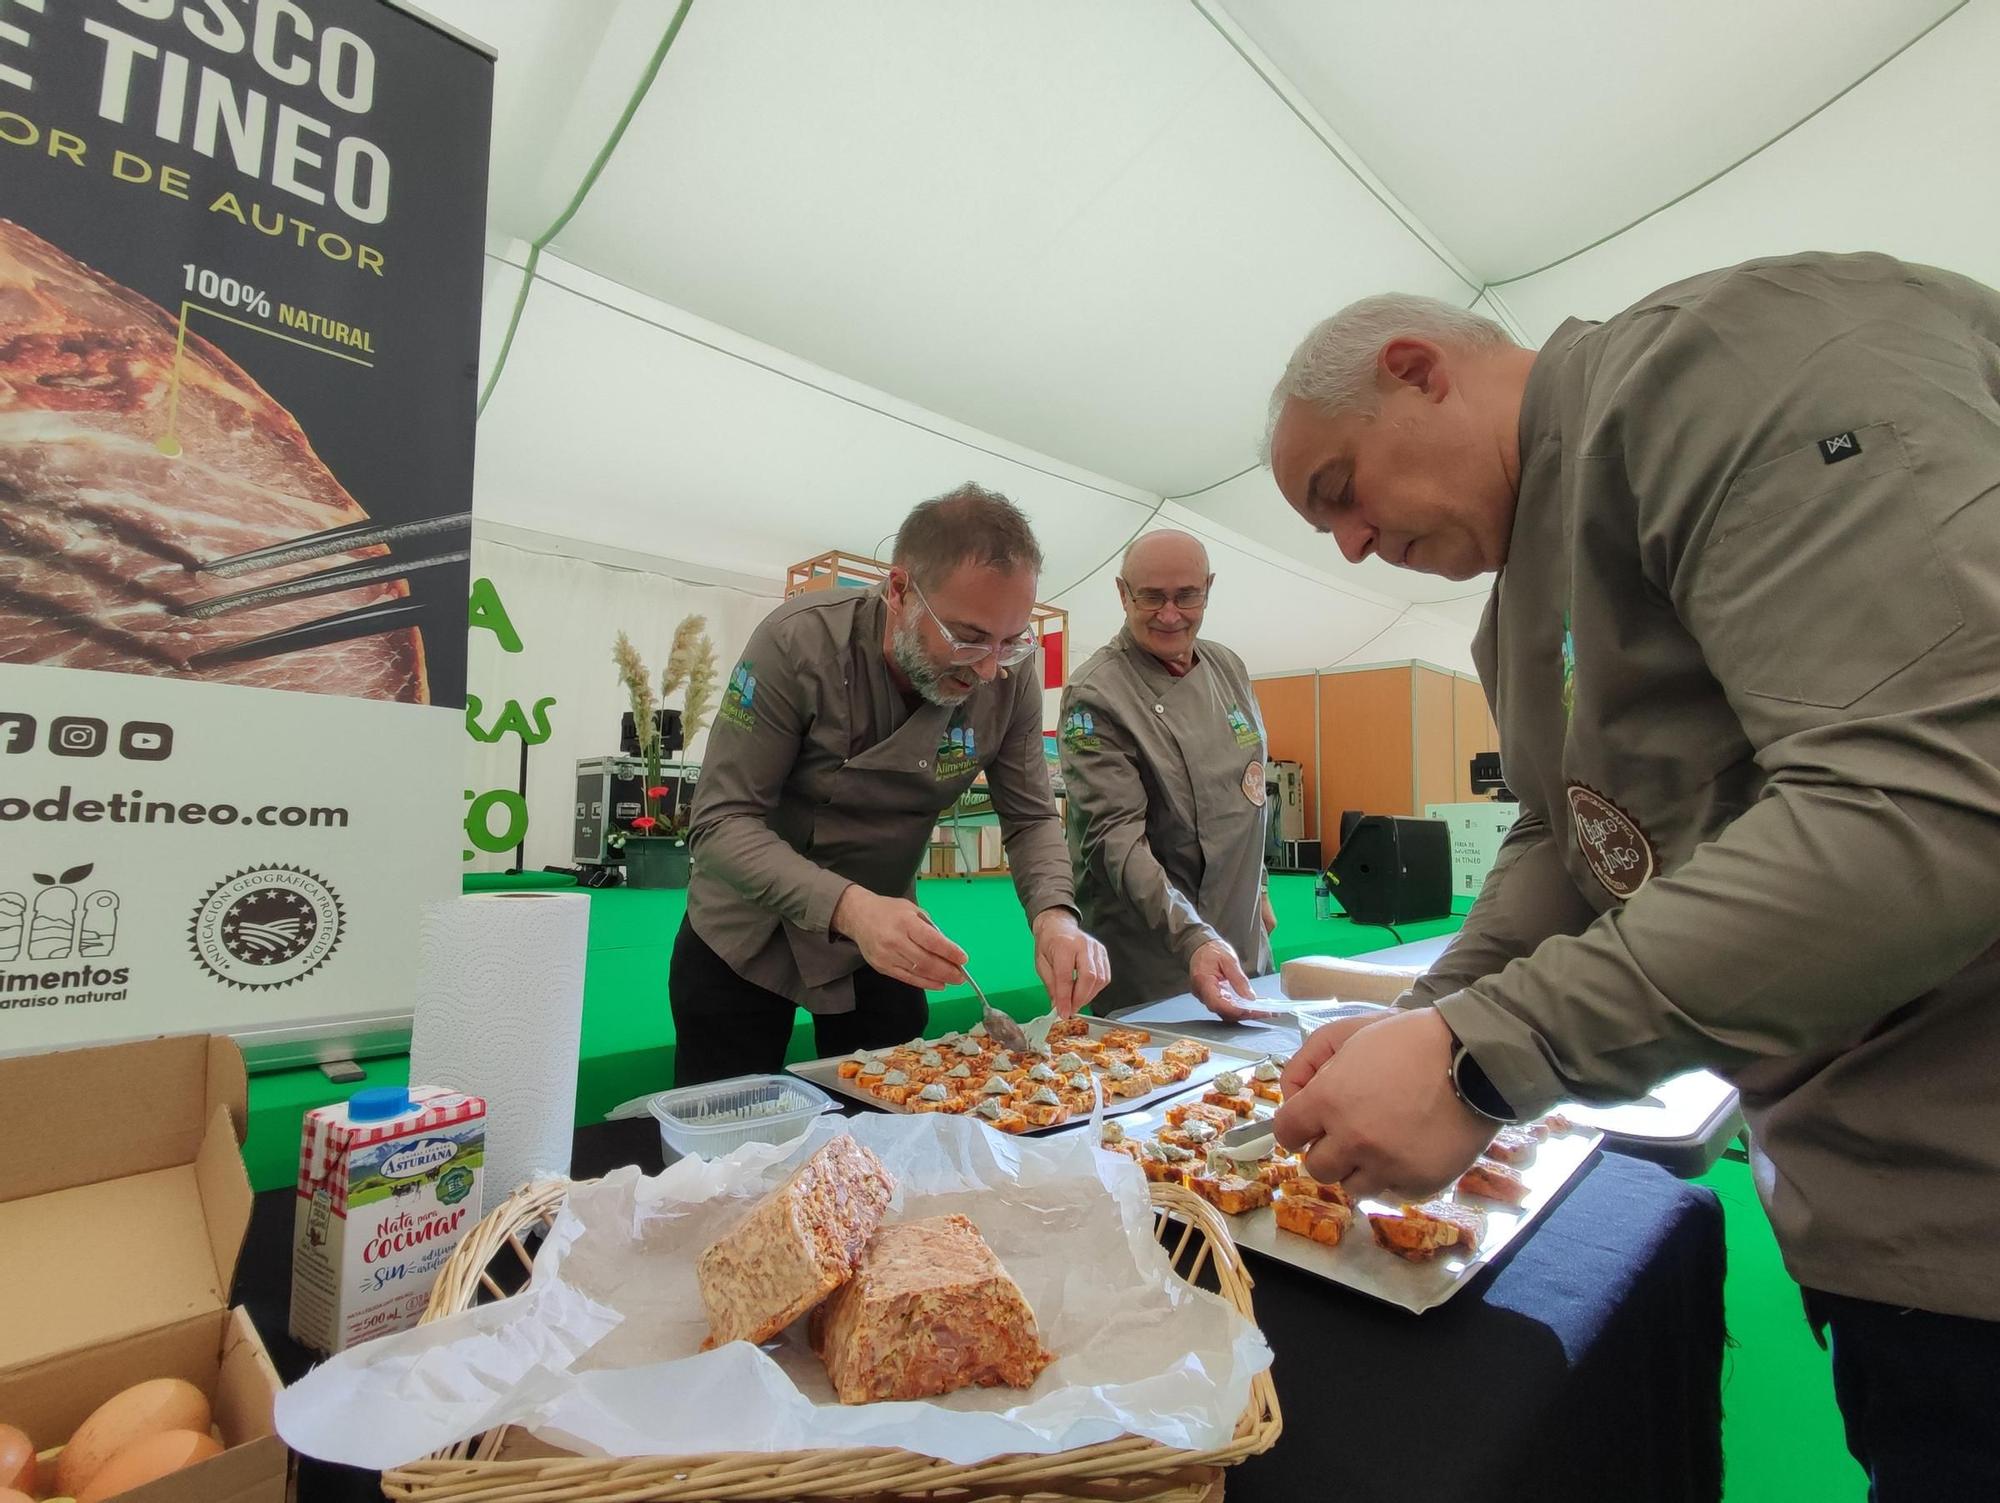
(644, 822)
(659, 793)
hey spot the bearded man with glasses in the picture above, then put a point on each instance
(855, 719)
(1163, 756)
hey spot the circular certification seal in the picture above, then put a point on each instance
(1253, 783)
(1617, 851)
(454, 1185)
(266, 927)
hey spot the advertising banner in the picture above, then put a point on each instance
(240, 250)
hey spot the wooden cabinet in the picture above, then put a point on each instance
(1386, 739)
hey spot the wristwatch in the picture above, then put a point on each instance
(1470, 1084)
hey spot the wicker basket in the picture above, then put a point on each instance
(508, 1466)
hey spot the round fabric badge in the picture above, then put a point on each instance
(1253, 783)
(1617, 851)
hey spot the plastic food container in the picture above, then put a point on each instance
(708, 1121)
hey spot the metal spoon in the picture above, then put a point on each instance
(1002, 1029)
(999, 1026)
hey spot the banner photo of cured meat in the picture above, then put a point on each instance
(240, 268)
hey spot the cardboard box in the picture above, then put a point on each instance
(123, 1205)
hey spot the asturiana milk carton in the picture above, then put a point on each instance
(388, 1184)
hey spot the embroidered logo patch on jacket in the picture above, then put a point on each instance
(1254, 788)
(957, 753)
(1618, 852)
(739, 700)
(1079, 731)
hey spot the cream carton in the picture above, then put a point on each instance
(388, 1185)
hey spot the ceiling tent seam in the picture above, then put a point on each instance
(1337, 149)
(798, 380)
(1371, 641)
(1115, 553)
(1724, 172)
(589, 181)
(1204, 490)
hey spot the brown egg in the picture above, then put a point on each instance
(147, 1461)
(141, 1410)
(44, 1485)
(17, 1460)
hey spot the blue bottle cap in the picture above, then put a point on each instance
(378, 1103)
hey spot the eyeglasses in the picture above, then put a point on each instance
(1006, 652)
(1193, 598)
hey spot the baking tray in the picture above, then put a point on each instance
(1358, 1264)
(825, 1073)
(1682, 1124)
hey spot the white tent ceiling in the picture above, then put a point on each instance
(847, 255)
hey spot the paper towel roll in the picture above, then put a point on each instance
(499, 1013)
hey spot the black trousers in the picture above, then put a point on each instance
(725, 1026)
(1916, 1393)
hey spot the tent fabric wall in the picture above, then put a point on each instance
(568, 611)
(846, 257)
(623, 421)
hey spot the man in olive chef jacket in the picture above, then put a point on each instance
(1163, 757)
(855, 719)
(1743, 649)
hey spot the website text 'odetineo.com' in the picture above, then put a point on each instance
(134, 808)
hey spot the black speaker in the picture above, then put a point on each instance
(667, 722)
(1394, 871)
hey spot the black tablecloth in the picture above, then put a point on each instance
(1587, 1365)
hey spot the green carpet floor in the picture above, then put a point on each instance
(1781, 1436)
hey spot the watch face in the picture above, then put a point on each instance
(1474, 1089)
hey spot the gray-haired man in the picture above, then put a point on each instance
(853, 721)
(1163, 755)
(1742, 654)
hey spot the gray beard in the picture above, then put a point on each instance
(925, 676)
